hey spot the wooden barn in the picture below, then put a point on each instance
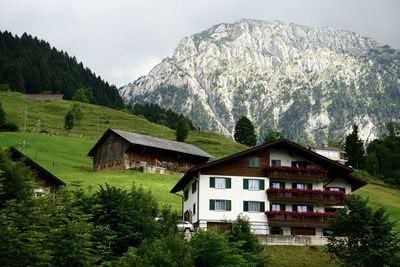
(47, 181)
(126, 150)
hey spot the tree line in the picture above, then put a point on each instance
(380, 157)
(159, 115)
(30, 65)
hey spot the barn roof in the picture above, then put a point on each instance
(155, 142)
(281, 143)
(17, 155)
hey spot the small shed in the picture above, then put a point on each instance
(47, 180)
(127, 150)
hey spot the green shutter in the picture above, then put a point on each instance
(294, 207)
(228, 182)
(245, 206)
(309, 208)
(262, 206)
(212, 182)
(245, 183)
(228, 205)
(212, 204)
(309, 186)
(294, 185)
(283, 207)
(262, 186)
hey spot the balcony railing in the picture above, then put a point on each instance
(306, 196)
(295, 172)
(303, 218)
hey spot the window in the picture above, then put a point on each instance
(194, 187)
(254, 162)
(220, 182)
(277, 185)
(253, 184)
(194, 208)
(300, 164)
(302, 186)
(277, 207)
(253, 206)
(276, 230)
(220, 204)
(186, 194)
(340, 189)
(275, 162)
(302, 208)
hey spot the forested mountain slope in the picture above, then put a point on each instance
(30, 65)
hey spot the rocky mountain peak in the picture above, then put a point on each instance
(309, 82)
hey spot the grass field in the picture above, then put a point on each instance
(66, 158)
(299, 256)
(97, 119)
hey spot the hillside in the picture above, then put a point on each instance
(97, 119)
(310, 83)
(30, 65)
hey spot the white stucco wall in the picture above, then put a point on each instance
(188, 204)
(237, 195)
(340, 183)
(287, 158)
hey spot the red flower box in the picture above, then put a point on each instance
(302, 191)
(304, 214)
(295, 169)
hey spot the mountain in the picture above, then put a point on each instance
(311, 83)
(30, 65)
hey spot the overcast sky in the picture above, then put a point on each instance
(121, 40)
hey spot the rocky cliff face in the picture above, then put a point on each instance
(310, 83)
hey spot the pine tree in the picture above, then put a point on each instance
(272, 135)
(355, 150)
(369, 240)
(3, 119)
(68, 121)
(182, 130)
(245, 132)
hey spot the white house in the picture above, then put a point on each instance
(282, 187)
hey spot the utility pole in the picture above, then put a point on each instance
(37, 126)
(25, 120)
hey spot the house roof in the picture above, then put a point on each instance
(330, 148)
(281, 143)
(15, 154)
(155, 142)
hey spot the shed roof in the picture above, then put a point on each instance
(17, 155)
(155, 142)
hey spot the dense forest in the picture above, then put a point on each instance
(159, 115)
(30, 65)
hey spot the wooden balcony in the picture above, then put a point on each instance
(297, 173)
(306, 196)
(299, 218)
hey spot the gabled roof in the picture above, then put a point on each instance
(15, 155)
(155, 142)
(281, 143)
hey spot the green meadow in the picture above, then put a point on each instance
(65, 155)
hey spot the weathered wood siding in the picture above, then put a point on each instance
(116, 152)
(110, 154)
(158, 157)
(240, 167)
